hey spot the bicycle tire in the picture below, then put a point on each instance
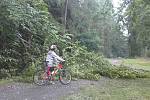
(65, 76)
(39, 78)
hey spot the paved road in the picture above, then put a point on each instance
(22, 91)
(116, 62)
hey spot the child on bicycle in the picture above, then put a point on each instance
(52, 59)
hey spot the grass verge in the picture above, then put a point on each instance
(5, 81)
(115, 89)
(139, 63)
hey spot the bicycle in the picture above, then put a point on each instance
(40, 77)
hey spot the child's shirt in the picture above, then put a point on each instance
(52, 58)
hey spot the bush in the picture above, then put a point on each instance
(4, 73)
(124, 72)
(27, 75)
(29, 71)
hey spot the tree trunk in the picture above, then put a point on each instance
(65, 17)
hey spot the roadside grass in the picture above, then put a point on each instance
(5, 81)
(115, 89)
(139, 63)
(21, 79)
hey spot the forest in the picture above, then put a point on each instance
(105, 45)
(86, 32)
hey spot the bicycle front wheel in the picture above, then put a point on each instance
(65, 77)
(40, 77)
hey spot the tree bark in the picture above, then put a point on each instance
(65, 17)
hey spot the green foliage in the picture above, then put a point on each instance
(27, 75)
(88, 65)
(29, 71)
(90, 41)
(4, 74)
(126, 72)
(92, 23)
(24, 27)
(137, 17)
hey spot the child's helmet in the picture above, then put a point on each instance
(53, 47)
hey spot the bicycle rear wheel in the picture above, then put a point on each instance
(65, 77)
(40, 77)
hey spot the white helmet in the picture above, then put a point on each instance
(53, 47)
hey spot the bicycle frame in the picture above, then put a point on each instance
(56, 69)
(40, 77)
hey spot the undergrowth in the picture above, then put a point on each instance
(88, 65)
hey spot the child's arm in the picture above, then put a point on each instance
(57, 57)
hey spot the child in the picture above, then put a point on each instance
(52, 59)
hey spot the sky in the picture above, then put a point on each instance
(116, 3)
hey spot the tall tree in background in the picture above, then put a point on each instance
(93, 23)
(138, 24)
(65, 15)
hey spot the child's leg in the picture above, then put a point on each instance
(48, 71)
(52, 78)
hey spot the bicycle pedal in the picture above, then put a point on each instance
(53, 79)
